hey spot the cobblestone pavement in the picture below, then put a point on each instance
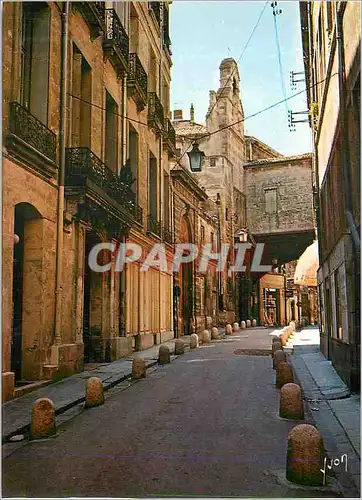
(205, 424)
(332, 408)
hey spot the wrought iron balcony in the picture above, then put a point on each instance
(167, 235)
(137, 81)
(169, 137)
(154, 226)
(167, 41)
(94, 15)
(29, 138)
(155, 113)
(116, 43)
(156, 9)
(85, 170)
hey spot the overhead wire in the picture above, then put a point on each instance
(277, 41)
(209, 134)
(241, 55)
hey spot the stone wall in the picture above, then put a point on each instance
(292, 179)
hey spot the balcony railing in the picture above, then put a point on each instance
(137, 81)
(156, 9)
(116, 42)
(154, 226)
(94, 15)
(32, 131)
(83, 165)
(155, 112)
(167, 235)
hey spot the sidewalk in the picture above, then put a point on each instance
(69, 392)
(334, 410)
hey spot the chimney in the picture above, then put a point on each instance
(177, 114)
(192, 113)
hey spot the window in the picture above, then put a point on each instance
(152, 186)
(270, 201)
(111, 153)
(338, 310)
(35, 59)
(212, 162)
(166, 200)
(202, 235)
(81, 101)
(133, 156)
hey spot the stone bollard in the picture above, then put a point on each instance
(284, 374)
(253, 323)
(206, 337)
(42, 419)
(164, 354)
(138, 368)
(292, 324)
(248, 323)
(194, 341)
(243, 325)
(278, 357)
(275, 338)
(291, 403)
(283, 337)
(228, 329)
(276, 346)
(236, 327)
(179, 347)
(94, 392)
(305, 456)
(214, 333)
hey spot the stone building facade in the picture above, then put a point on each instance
(332, 49)
(86, 150)
(222, 175)
(195, 221)
(263, 195)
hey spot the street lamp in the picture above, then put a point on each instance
(242, 235)
(195, 157)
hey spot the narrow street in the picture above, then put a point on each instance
(206, 424)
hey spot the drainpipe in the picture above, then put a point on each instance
(61, 178)
(344, 128)
(160, 158)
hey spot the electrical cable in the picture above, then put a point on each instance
(280, 64)
(241, 55)
(209, 134)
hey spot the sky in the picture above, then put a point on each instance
(204, 33)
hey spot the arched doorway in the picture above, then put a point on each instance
(27, 264)
(186, 280)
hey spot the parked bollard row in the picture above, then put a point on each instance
(42, 419)
(228, 329)
(194, 341)
(278, 357)
(253, 323)
(94, 392)
(284, 374)
(164, 356)
(214, 333)
(236, 327)
(291, 402)
(243, 325)
(138, 368)
(305, 456)
(276, 346)
(248, 323)
(179, 347)
(206, 337)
